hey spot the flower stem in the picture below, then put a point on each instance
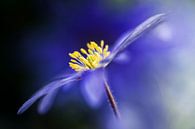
(111, 100)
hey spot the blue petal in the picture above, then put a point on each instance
(131, 36)
(47, 102)
(48, 89)
(123, 58)
(119, 41)
(93, 87)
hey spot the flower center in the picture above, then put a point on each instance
(89, 59)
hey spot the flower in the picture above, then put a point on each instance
(94, 61)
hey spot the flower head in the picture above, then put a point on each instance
(97, 56)
(89, 59)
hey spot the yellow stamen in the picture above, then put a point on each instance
(74, 61)
(90, 51)
(94, 55)
(71, 55)
(83, 51)
(102, 43)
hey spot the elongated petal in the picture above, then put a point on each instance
(133, 35)
(47, 89)
(92, 88)
(47, 101)
(121, 38)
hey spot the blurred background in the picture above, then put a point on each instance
(155, 90)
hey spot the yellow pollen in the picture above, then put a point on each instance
(90, 58)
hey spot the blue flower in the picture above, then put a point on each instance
(90, 66)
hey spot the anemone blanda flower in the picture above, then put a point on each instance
(94, 60)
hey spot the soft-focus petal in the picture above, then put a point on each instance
(93, 87)
(47, 89)
(47, 102)
(133, 35)
(123, 58)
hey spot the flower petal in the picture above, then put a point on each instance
(47, 101)
(121, 39)
(123, 58)
(92, 87)
(133, 35)
(48, 89)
